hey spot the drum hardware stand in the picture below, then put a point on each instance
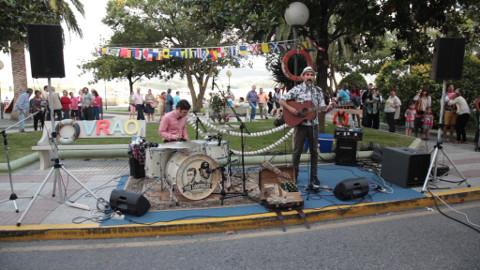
(13, 197)
(56, 168)
(438, 147)
(198, 123)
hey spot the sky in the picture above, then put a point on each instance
(79, 50)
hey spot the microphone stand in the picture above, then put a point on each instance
(13, 197)
(198, 123)
(243, 128)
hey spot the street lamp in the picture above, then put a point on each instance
(229, 74)
(296, 14)
(1, 100)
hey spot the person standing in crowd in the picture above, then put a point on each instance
(80, 104)
(173, 126)
(132, 112)
(139, 107)
(74, 112)
(169, 101)
(427, 123)
(463, 113)
(306, 91)
(450, 116)
(366, 121)
(276, 98)
(476, 105)
(410, 115)
(262, 103)
(252, 99)
(343, 97)
(56, 105)
(150, 105)
(97, 104)
(22, 106)
(270, 102)
(372, 105)
(66, 102)
(161, 104)
(87, 100)
(176, 99)
(392, 109)
(37, 105)
(422, 101)
(355, 97)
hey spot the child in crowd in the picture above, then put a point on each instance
(410, 114)
(427, 123)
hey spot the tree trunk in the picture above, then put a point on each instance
(19, 71)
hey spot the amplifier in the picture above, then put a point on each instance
(355, 134)
(405, 167)
(346, 152)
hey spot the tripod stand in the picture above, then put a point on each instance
(13, 197)
(57, 167)
(439, 148)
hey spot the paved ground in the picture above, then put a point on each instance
(101, 175)
(416, 239)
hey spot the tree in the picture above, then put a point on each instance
(16, 15)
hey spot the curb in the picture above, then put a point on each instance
(217, 225)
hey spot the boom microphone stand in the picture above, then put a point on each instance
(198, 123)
(438, 147)
(57, 167)
(13, 197)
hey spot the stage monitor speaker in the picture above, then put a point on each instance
(447, 61)
(45, 44)
(352, 188)
(346, 152)
(129, 203)
(405, 167)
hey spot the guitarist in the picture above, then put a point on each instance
(306, 91)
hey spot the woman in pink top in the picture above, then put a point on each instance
(97, 105)
(74, 113)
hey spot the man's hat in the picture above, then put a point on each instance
(307, 69)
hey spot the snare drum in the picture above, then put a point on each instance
(195, 180)
(215, 151)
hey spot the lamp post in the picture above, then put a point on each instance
(1, 100)
(229, 74)
(296, 14)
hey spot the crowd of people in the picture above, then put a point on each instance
(86, 105)
(141, 105)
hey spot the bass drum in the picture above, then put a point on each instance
(195, 174)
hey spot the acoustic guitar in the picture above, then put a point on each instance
(306, 111)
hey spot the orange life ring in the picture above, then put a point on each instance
(286, 58)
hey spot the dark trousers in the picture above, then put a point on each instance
(87, 113)
(311, 133)
(390, 117)
(477, 128)
(462, 120)
(373, 120)
(139, 108)
(38, 117)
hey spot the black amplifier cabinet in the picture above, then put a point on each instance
(405, 167)
(346, 152)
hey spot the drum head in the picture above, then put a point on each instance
(196, 176)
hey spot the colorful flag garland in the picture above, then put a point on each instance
(208, 53)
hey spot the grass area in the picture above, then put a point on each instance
(20, 144)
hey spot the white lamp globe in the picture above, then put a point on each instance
(297, 13)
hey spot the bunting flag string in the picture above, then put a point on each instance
(206, 53)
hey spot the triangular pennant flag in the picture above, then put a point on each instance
(166, 53)
(175, 53)
(243, 50)
(104, 51)
(145, 53)
(138, 54)
(123, 52)
(155, 54)
(274, 47)
(265, 48)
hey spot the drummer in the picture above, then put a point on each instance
(173, 126)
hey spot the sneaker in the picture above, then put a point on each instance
(22, 130)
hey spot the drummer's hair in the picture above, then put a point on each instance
(183, 105)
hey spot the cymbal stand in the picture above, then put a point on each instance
(13, 197)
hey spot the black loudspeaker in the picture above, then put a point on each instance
(128, 202)
(346, 152)
(45, 44)
(405, 167)
(352, 188)
(447, 61)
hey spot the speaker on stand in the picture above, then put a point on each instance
(46, 50)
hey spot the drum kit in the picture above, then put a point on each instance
(192, 168)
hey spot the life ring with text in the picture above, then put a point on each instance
(70, 139)
(287, 57)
